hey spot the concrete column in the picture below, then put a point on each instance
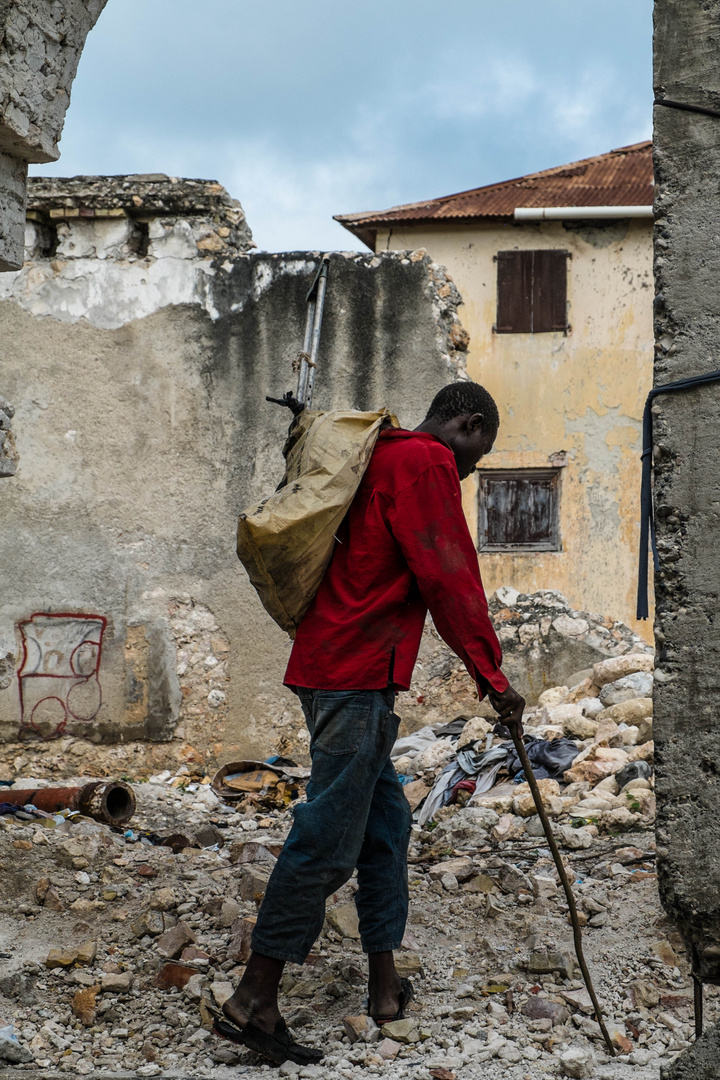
(40, 46)
(687, 487)
(13, 194)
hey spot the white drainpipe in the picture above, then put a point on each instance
(584, 213)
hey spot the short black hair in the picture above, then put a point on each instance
(463, 399)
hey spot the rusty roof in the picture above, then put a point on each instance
(624, 177)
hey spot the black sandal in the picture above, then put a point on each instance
(278, 1047)
(407, 993)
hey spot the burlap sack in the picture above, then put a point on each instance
(286, 542)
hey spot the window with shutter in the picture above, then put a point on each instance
(519, 510)
(531, 292)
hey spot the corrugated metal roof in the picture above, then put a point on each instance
(624, 177)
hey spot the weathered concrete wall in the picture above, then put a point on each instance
(141, 438)
(687, 481)
(40, 46)
(8, 454)
(13, 178)
(582, 394)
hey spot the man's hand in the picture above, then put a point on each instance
(509, 704)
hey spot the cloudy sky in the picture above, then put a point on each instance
(308, 108)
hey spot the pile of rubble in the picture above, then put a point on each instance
(113, 947)
(546, 642)
(601, 732)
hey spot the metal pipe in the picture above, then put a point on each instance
(305, 354)
(112, 801)
(560, 866)
(580, 213)
(317, 326)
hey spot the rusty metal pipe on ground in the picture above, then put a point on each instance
(109, 801)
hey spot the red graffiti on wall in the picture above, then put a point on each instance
(59, 674)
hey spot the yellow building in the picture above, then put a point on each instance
(555, 270)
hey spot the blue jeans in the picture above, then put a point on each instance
(356, 815)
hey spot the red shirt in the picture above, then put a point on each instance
(403, 548)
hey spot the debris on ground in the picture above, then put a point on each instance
(116, 942)
(114, 948)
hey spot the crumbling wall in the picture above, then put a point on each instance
(687, 481)
(40, 46)
(143, 433)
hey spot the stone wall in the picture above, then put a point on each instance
(687, 484)
(139, 372)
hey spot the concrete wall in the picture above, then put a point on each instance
(687, 486)
(581, 394)
(40, 46)
(143, 431)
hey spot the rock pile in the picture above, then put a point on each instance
(608, 787)
(545, 642)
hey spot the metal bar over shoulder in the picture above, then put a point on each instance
(313, 325)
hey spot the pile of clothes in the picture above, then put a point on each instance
(475, 766)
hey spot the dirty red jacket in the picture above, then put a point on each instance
(403, 548)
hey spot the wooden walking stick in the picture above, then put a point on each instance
(577, 934)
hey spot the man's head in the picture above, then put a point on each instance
(465, 416)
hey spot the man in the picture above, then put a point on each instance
(403, 548)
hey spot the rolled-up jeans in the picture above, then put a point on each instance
(356, 815)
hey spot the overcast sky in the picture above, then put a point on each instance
(308, 108)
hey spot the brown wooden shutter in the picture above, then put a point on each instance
(519, 510)
(549, 294)
(514, 292)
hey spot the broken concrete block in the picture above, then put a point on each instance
(555, 695)
(229, 912)
(194, 985)
(359, 1027)
(644, 993)
(253, 882)
(14, 1052)
(462, 868)
(389, 1049)
(344, 920)
(481, 883)
(150, 922)
(171, 975)
(402, 1031)
(538, 1007)
(163, 899)
(61, 958)
(173, 941)
(408, 964)
(87, 952)
(577, 1062)
(579, 1001)
(221, 991)
(240, 947)
(117, 983)
(639, 684)
(509, 827)
(541, 962)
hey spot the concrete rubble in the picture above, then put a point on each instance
(113, 947)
